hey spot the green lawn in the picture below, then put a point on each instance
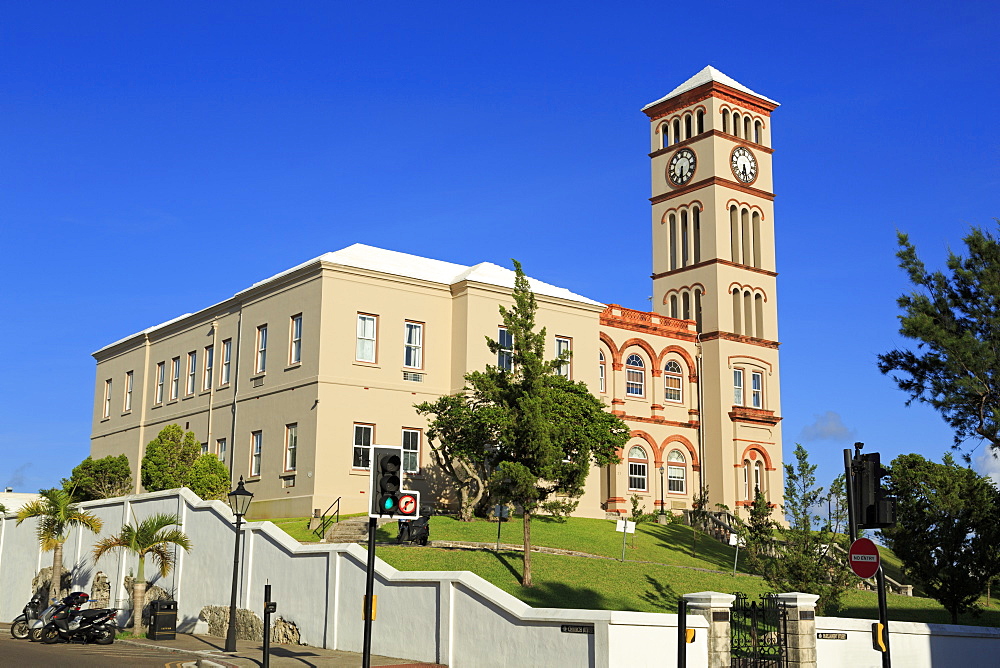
(658, 568)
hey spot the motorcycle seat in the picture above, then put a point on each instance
(94, 613)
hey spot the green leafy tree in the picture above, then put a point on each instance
(209, 478)
(3, 509)
(173, 459)
(948, 529)
(954, 319)
(760, 528)
(57, 515)
(806, 559)
(459, 435)
(99, 478)
(150, 537)
(535, 430)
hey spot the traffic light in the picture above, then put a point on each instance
(385, 471)
(875, 509)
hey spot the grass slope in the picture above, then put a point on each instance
(659, 567)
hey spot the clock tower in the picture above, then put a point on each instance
(713, 263)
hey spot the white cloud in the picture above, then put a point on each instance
(988, 465)
(827, 427)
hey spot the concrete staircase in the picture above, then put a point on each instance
(352, 530)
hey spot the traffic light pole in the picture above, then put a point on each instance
(366, 655)
(852, 512)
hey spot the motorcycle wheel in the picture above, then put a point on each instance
(50, 635)
(34, 635)
(104, 636)
(19, 629)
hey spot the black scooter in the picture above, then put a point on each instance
(22, 623)
(65, 607)
(416, 531)
(96, 626)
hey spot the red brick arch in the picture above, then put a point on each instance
(759, 449)
(677, 438)
(616, 354)
(688, 360)
(650, 441)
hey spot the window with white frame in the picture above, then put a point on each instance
(676, 472)
(413, 345)
(411, 450)
(672, 382)
(175, 377)
(295, 338)
(737, 387)
(757, 389)
(261, 362)
(367, 332)
(746, 480)
(127, 405)
(206, 382)
(564, 347)
(159, 382)
(758, 478)
(363, 435)
(505, 356)
(220, 449)
(192, 369)
(291, 445)
(227, 353)
(635, 376)
(107, 398)
(256, 446)
(637, 469)
(602, 378)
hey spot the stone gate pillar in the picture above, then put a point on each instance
(715, 607)
(801, 628)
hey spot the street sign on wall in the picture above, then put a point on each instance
(863, 558)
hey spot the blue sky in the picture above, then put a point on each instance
(156, 159)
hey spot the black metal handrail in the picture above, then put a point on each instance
(327, 519)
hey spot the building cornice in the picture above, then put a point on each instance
(712, 181)
(706, 263)
(708, 90)
(739, 338)
(648, 322)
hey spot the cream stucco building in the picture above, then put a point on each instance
(292, 380)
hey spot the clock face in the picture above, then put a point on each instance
(744, 164)
(681, 167)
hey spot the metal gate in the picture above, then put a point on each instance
(759, 633)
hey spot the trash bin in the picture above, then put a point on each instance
(162, 620)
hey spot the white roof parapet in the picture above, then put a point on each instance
(385, 261)
(703, 77)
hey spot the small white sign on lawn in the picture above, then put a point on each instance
(625, 526)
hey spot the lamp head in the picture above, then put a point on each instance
(240, 498)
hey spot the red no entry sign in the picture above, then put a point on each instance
(863, 558)
(407, 505)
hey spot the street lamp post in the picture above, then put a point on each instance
(662, 519)
(239, 500)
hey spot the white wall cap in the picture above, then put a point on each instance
(703, 77)
(798, 599)
(710, 599)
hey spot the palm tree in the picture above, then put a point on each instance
(150, 536)
(58, 514)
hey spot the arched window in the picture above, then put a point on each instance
(725, 121)
(673, 306)
(737, 310)
(672, 241)
(635, 376)
(685, 238)
(687, 126)
(664, 135)
(748, 314)
(746, 480)
(757, 134)
(746, 127)
(686, 305)
(637, 469)
(697, 309)
(701, 121)
(746, 237)
(696, 232)
(602, 371)
(755, 224)
(677, 130)
(676, 472)
(734, 234)
(758, 477)
(737, 125)
(672, 378)
(758, 310)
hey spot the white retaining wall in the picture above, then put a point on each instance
(453, 618)
(912, 645)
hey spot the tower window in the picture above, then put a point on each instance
(701, 121)
(687, 126)
(696, 216)
(725, 121)
(664, 135)
(757, 135)
(677, 130)
(736, 124)
(746, 127)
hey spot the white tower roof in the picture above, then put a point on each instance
(703, 77)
